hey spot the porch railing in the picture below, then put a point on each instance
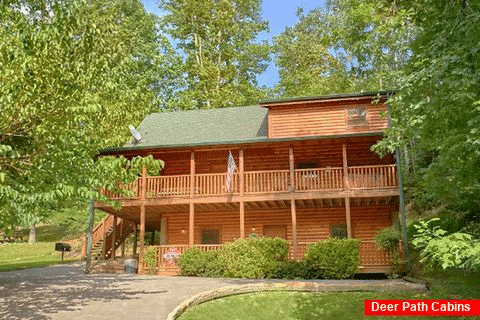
(167, 254)
(267, 181)
(167, 186)
(272, 181)
(370, 254)
(319, 179)
(216, 184)
(365, 177)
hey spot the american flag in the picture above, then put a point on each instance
(231, 167)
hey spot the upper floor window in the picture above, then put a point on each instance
(357, 117)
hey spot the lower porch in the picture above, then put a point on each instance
(176, 227)
(371, 258)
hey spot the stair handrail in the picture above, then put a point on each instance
(100, 229)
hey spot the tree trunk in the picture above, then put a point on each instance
(32, 239)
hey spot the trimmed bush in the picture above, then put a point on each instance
(243, 258)
(333, 258)
(253, 257)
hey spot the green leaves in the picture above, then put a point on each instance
(73, 76)
(457, 250)
(222, 56)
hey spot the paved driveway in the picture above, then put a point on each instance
(65, 292)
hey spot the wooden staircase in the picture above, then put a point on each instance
(104, 233)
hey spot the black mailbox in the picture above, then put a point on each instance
(62, 247)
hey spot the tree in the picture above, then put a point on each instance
(436, 112)
(307, 61)
(221, 55)
(350, 46)
(73, 76)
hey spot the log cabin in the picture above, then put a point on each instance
(301, 169)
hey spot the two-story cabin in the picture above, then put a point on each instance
(303, 170)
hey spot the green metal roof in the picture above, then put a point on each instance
(211, 126)
(223, 126)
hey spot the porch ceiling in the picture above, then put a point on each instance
(153, 213)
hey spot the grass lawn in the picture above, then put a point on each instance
(330, 305)
(16, 256)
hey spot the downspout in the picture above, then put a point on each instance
(403, 219)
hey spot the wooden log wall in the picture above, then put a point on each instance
(313, 224)
(316, 119)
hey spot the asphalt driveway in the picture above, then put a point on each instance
(65, 292)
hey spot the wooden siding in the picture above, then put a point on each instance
(313, 224)
(320, 120)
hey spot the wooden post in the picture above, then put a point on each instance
(242, 191)
(122, 238)
(142, 221)
(114, 237)
(104, 248)
(348, 217)
(240, 172)
(294, 229)
(142, 238)
(163, 231)
(242, 219)
(292, 168)
(345, 167)
(191, 224)
(135, 241)
(192, 174)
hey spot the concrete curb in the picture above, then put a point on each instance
(310, 286)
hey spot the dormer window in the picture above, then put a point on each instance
(357, 117)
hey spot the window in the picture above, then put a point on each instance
(357, 117)
(211, 236)
(275, 231)
(338, 231)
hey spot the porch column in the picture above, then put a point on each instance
(242, 190)
(191, 229)
(349, 219)
(292, 168)
(191, 224)
(240, 172)
(142, 220)
(122, 236)
(242, 219)
(294, 229)
(114, 237)
(345, 167)
(142, 237)
(192, 174)
(135, 237)
(163, 231)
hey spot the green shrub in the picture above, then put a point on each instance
(333, 258)
(192, 262)
(150, 259)
(253, 257)
(388, 239)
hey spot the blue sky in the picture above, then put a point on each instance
(279, 14)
